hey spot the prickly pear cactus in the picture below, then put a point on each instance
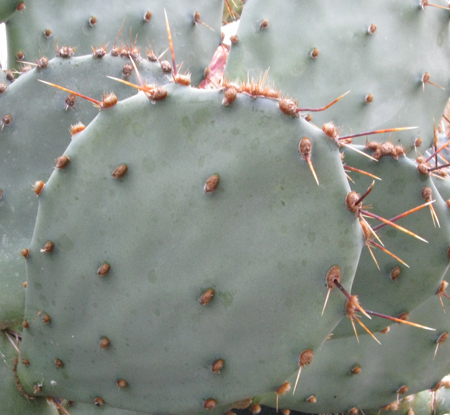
(318, 51)
(262, 180)
(38, 28)
(33, 135)
(194, 251)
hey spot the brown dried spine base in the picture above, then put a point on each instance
(104, 269)
(334, 274)
(356, 370)
(212, 183)
(385, 149)
(62, 162)
(100, 51)
(120, 171)
(151, 55)
(210, 404)
(311, 399)
(108, 101)
(288, 107)
(127, 70)
(315, 53)
(122, 383)
(305, 359)
(158, 94)
(217, 366)
(70, 101)
(229, 96)
(264, 24)
(105, 343)
(255, 408)
(76, 128)
(147, 16)
(351, 202)
(395, 273)
(65, 51)
(207, 296)
(180, 79)
(48, 247)
(234, 39)
(6, 120)
(330, 130)
(99, 402)
(166, 66)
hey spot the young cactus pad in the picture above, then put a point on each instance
(36, 29)
(263, 239)
(399, 191)
(379, 50)
(11, 399)
(405, 358)
(37, 134)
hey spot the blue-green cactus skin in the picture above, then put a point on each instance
(351, 59)
(164, 255)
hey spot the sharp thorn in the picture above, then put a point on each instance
(312, 170)
(94, 101)
(388, 222)
(361, 171)
(324, 306)
(366, 329)
(388, 130)
(355, 149)
(365, 194)
(169, 34)
(389, 253)
(402, 215)
(325, 107)
(298, 377)
(399, 320)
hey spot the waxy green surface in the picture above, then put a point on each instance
(259, 240)
(389, 64)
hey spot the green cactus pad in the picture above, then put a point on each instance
(36, 135)
(7, 9)
(423, 403)
(399, 191)
(194, 43)
(13, 401)
(388, 64)
(405, 357)
(167, 242)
